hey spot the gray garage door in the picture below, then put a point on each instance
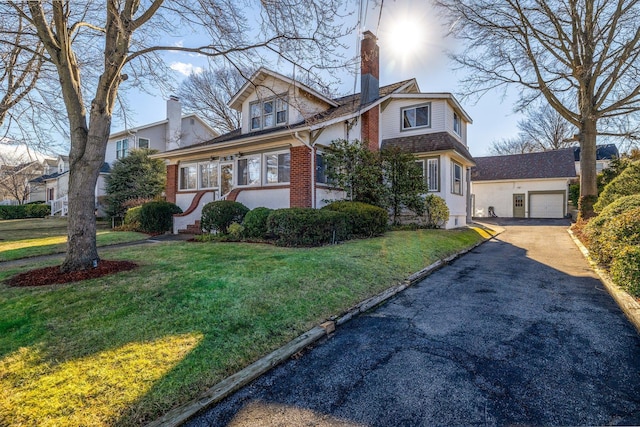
(548, 205)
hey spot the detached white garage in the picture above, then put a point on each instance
(532, 185)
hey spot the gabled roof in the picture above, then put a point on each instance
(347, 106)
(546, 164)
(260, 76)
(136, 129)
(429, 142)
(603, 152)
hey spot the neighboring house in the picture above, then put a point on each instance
(532, 185)
(604, 155)
(15, 185)
(275, 159)
(174, 132)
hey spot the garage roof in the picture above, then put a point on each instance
(546, 164)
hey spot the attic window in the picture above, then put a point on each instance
(268, 113)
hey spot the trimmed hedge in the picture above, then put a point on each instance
(157, 217)
(620, 231)
(625, 270)
(219, 215)
(32, 210)
(625, 184)
(594, 228)
(307, 226)
(255, 223)
(363, 219)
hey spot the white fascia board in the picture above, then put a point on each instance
(136, 129)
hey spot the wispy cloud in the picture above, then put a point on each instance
(186, 69)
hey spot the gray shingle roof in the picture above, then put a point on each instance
(546, 164)
(439, 141)
(603, 152)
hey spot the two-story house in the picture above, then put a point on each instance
(275, 159)
(172, 133)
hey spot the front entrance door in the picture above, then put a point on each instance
(226, 178)
(518, 205)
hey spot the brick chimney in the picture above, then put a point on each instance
(370, 89)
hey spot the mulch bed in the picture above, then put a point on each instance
(52, 275)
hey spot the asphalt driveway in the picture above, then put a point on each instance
(518, 332)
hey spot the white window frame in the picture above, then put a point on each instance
(256, 182)
(144, 139)
(404, 110)
(454, 166)
(278, 104)
(428, 165)
(122, 148)
(266, 167)
(457, 124)
(181, 183)
(216, 168)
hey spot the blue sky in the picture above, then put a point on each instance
(412, 45)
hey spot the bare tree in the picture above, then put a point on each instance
(207, 94)
(96, 46)
(580, 56)
(15, 174)
(542, 129)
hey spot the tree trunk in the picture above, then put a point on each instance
(588, 173)
(82, 251)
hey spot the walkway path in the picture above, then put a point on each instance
(520, 331)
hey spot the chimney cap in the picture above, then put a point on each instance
(368, 34)
(174, 98)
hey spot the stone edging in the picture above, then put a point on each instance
(626, 302)
(238, 380)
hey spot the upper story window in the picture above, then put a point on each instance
(269, 113)
(457, 125)
(416, 117)
(456, 178)
(122, 148)
(143, 142)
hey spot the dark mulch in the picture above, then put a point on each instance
(52, 275)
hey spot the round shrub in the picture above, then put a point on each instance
(218, 216)
(622, 230)
(37, 210)
(132, 216)
(236, 231)
(436, 211)
(157, 217)
(625, 184)
(307, 226)
(363, 219)
(625, 270)
(255, 223)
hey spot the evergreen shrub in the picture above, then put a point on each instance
(219, 215)
(307, 226)
(157, 217)
(363, 219)
(625, 269)
(255, 223)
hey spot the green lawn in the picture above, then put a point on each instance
(21, 238)
(123, 350)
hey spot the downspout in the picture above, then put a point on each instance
(313, 168)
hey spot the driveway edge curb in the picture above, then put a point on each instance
(626, 302)
(233, 383)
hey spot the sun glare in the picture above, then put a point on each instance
(406, 36)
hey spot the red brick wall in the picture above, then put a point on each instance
(172, 183)
(369, 55)
(370, 128)
(300, 188)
